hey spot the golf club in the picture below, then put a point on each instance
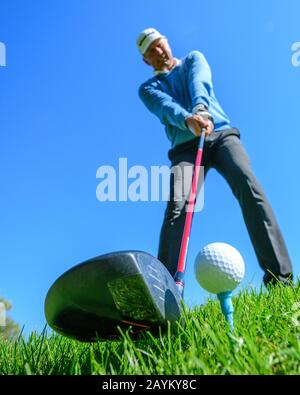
(131, 290)
(179, 276)
(125, 289)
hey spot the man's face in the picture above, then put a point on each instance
(159, 55)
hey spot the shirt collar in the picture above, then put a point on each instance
(177, 63)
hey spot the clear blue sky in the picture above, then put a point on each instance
(69, 104)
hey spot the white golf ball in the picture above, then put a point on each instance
(219, 267)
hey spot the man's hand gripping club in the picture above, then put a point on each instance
(201, 119)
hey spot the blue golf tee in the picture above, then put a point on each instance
(227, 306)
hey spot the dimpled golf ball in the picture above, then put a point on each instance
(219, 267)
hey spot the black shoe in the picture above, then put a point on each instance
(271, 279)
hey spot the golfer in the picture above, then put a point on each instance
(182, 96)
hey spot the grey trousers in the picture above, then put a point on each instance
(224, 151)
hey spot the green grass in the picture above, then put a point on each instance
(266, 340)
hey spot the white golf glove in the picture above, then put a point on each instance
(201, 109)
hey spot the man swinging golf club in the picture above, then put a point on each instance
(182, 96)
(132, 289)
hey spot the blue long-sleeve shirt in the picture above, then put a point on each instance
(171, 97)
